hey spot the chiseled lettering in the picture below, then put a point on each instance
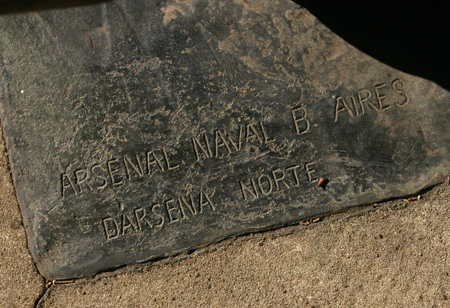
(265, 191)
(395, 86)
(383, 95)
(111, 228)
(66, 182)
(96, 176)
(183, 203)
(264, 132)
(127, 223)
(159, 215)
(115, 172)
(140, 216)
(245, 189)
(236, 145)
(275, 180)
(223, 144)
(355, 106)
(81, 176)
(166, 158)
(112, 171)
(280, 178)
(171, 210)
(310, 171)
(201, 149)
(341, 106)
(220, 141)
(380, 96)
(153, 160)
(294, 172)
(205, 200)
(365, 99)
(300, 115)
(136, 167)
(251, 135)
(152, 218)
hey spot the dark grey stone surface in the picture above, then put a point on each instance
(20, 6)
(139, 129)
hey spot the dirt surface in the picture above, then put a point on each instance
(391, 255)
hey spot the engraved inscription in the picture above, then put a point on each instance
(116, 172)
(215, 144)
(277, 179)
(168, 210)
(379, 97)
(302, 123)
(220, 143)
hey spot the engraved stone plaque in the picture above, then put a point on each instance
(139, 129)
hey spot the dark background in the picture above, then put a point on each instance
(408, 36)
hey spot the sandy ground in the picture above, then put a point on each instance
(390, 255)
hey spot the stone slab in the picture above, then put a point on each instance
(140, 129)
(20, 282)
